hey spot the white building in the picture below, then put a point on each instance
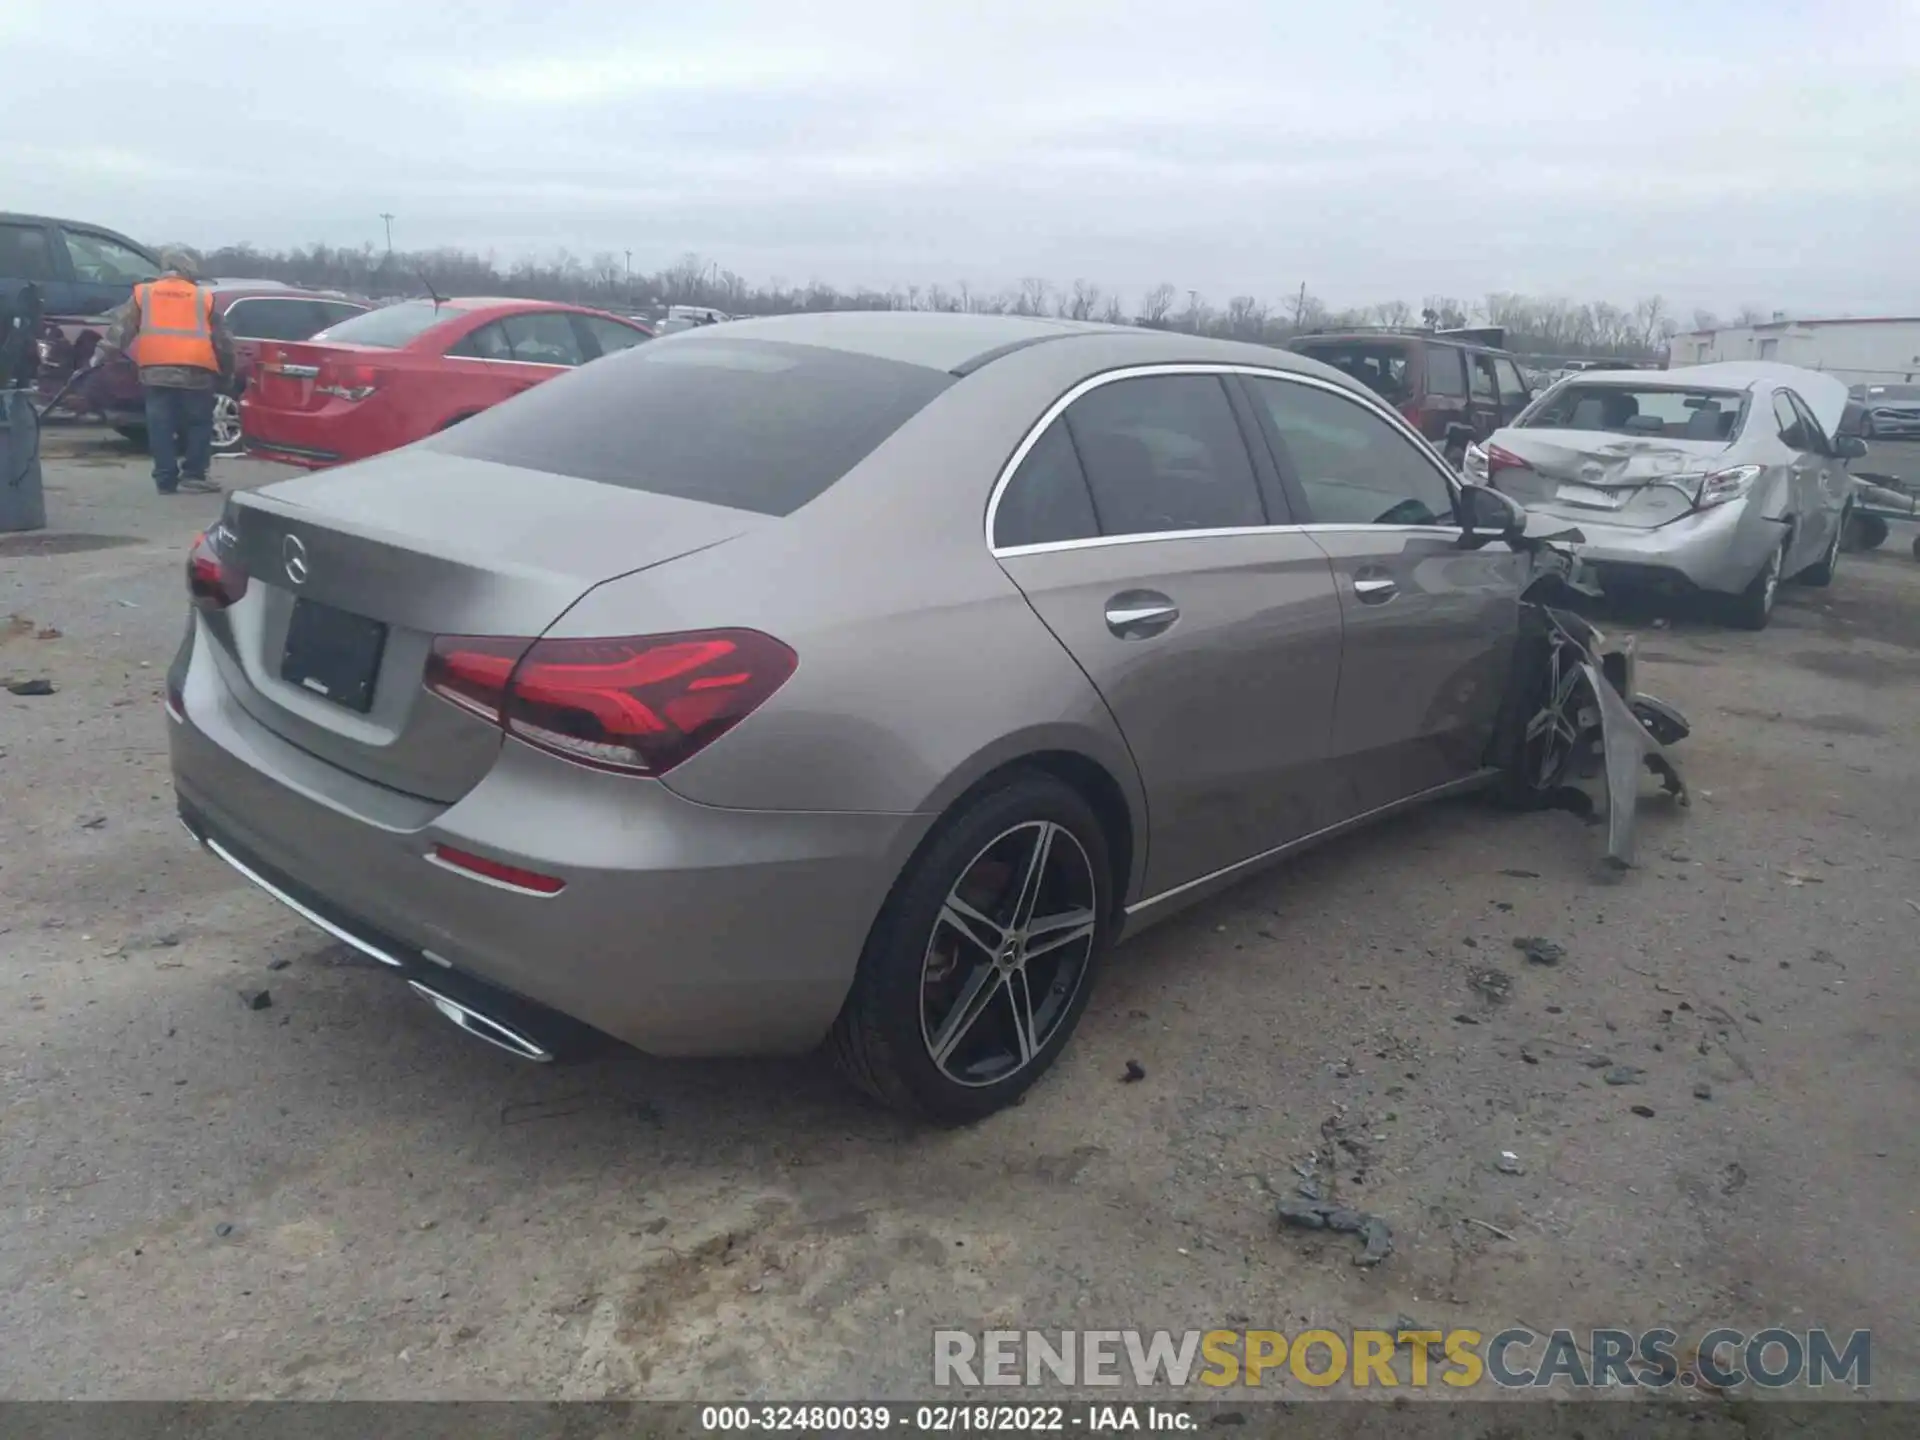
(1885, 351)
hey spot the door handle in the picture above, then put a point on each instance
(1140, 614)
(1375, 589)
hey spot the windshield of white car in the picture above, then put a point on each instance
(1650, 411)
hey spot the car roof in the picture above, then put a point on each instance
(963, 343)
(1425, 337)
(255, 290)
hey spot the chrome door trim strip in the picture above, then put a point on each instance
(1354, 822)
(1134, 372)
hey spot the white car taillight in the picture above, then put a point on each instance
(1724, 485)
(1473, 464)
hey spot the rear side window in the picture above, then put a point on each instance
(1480, 377)
(1164, 453)
(1047, 499)
(389, 327)
(753, 424)
(1381, 367)
(271, 319)
(332, 312)
(1445, 375)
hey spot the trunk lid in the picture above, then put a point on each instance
(423, 544)
(288, 375)
(1594, 477)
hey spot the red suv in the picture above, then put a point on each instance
(1435, 378)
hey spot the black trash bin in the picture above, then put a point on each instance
(23, 503)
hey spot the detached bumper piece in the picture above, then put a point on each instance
(510, 1022)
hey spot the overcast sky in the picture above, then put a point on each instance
(1713, 152)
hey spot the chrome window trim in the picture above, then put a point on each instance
(1394, 420)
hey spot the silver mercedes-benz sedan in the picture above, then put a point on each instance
(1725, 478)
(853, 677)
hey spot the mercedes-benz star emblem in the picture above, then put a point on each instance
(293, 554)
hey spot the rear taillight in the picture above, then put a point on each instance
(1500, 458)
(347, 382)
(639, 706)
(215, 579)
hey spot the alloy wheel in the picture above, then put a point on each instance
(1553, 732)
(226, 422)
(1008, 954)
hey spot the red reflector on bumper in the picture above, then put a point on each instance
(512, 876)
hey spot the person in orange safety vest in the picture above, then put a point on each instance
(176, 337)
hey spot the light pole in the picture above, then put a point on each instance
(387, 216)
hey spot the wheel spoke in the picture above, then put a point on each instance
(1020, 998)
(1053, 931)
(974, 999)
(976, 928)
(1036, 873)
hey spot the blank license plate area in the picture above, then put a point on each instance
(333, 653)
(1589, 495)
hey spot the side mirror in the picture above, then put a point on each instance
(1849, 447)
(1486, 512)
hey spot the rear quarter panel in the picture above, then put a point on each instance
(922, 666)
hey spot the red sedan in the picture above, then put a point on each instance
(399, 373)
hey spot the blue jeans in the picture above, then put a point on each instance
(179, 433)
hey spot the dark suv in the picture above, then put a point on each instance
(1435, 378)
(80, 269)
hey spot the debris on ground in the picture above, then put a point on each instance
(256, 999)
(1494, 985)
(1645, 1112)
(1703, 1091)
(1522, 874)
(1598, 1062)
(1317, 1215)
(93, 822)
(1529, 1055)
(46, 632)
(30, 687)
(1623, 1075)
(223, 1229)
(1509, 1164)
(279, 963)
(1539, 950)
(1135, 1071)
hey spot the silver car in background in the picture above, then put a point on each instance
(1888, 412)
(854, 677)
(1723, 478)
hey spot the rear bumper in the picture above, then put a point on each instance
(338, 432)
(683, 929)
(1718, 550)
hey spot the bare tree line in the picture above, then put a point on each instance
(1547, 327)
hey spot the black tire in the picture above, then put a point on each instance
(1821, 571)
(879, 1042)
(1752, 608)
(1865, 532)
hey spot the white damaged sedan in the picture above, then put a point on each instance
(1723, 478)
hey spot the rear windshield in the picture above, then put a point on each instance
(1382, 368)
(1670, 413)
(389, 327)
(751, 424)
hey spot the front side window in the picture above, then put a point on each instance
(488, 342)
(1444, 372)
(1480, 375)
(101, 261)
(1792, 432)
(543, 337)
(1810, 426)
(1164, 453)
(1354, 467)
(24, 253)
(1047, 500)
(608, 336)
(1513, 385)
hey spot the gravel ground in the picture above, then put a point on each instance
(340, 1196)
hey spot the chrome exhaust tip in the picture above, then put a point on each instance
(482, 1027)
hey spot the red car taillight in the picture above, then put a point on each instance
(639, 706)
(214, 579)
(348, 382)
